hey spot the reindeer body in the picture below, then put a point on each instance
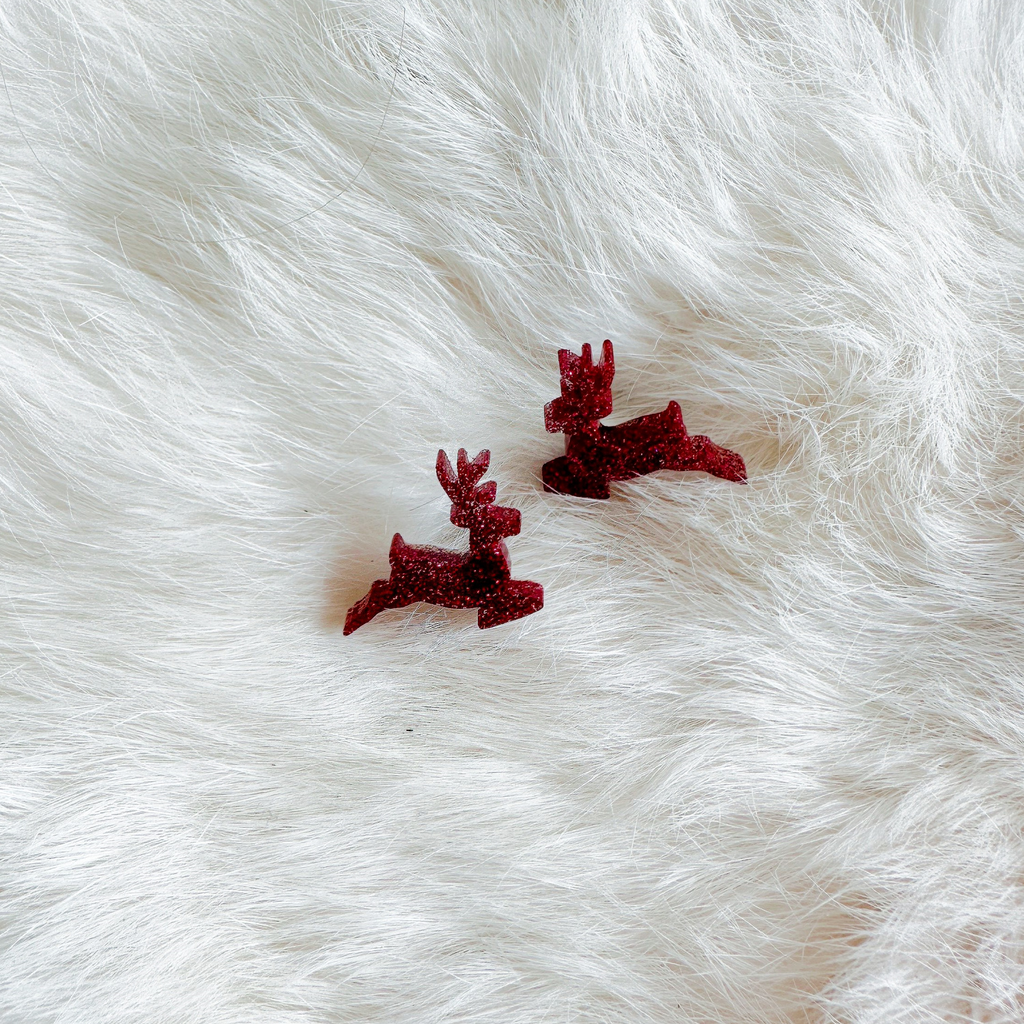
(479, 578)
(595, 455)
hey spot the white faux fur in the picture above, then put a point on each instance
(761, 756)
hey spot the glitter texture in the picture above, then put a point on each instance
(595, 454)
(480, 578)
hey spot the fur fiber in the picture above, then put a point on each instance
(760, 758)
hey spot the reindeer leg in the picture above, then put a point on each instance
(512, 600)
(562, 476)
(708, 457)
(557, 476)
(697, 453)
(379, 598)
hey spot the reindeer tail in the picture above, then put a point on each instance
(398, 547)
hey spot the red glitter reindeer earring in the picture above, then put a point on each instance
(595, 454)
(480, 578)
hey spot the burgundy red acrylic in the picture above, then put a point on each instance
(596, 455)
(479, 578)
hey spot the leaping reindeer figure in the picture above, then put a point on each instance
(595, 454)
(480, 578)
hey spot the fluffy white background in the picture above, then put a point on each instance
(761, 756)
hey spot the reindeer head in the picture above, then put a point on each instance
(473, 507)
(586, 392)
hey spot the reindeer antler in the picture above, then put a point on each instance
(586, 390)
(579, 372)
(461, 487)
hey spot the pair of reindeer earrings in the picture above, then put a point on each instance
(594, 456)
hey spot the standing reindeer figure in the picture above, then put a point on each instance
(480, 578)
(595, 454)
